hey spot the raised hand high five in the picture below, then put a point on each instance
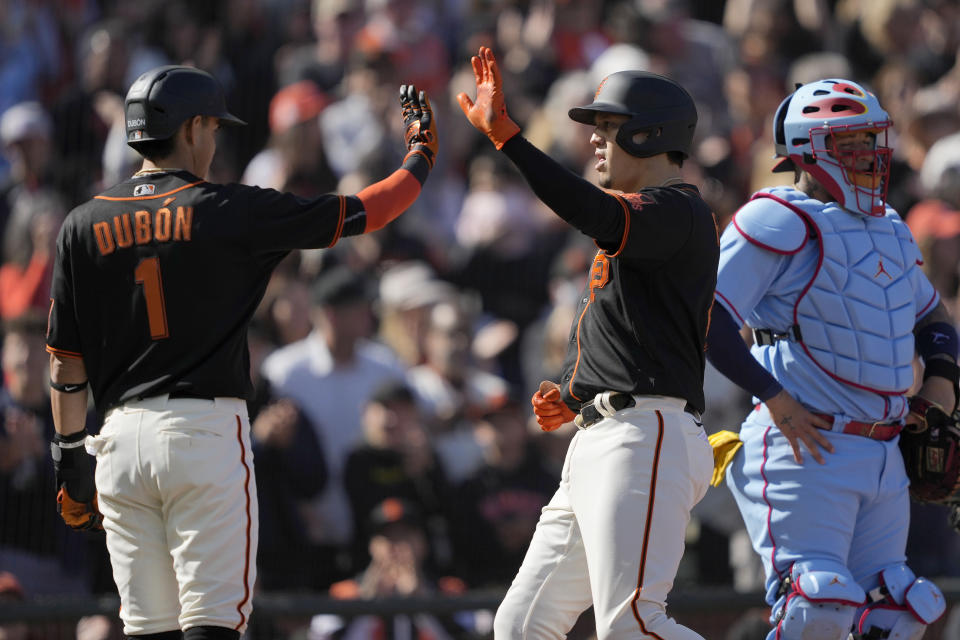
(489, 113)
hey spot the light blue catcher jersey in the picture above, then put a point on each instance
(856, 306)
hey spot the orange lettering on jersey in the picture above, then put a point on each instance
(101, 231)
(181, 226)
(124, 230)
(161, 227)
(141, 226)
(599, 273)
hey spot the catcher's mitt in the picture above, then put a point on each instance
(931, 453)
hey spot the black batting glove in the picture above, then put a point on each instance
(76, 490)
(419, 125)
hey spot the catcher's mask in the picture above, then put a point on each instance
(811, 121)
(657, 106)
(162, 99)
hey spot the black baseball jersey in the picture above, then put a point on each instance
(156, 279)
(642, 320)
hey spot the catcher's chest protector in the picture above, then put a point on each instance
(857, 313)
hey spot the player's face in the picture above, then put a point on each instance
(613, 163)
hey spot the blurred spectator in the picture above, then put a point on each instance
(409, 290)
(398, 551)
(935, 220)
(30, 51)
(47, 557)
(351, 126)
(25, 135)
(291, 470)
(79, 129)
(294, 159)
(331, 374)
(10, 592)
(29, 245)
(396, 459)
(498, 506)
(452, 390)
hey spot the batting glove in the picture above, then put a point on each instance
(419, 125)
(489, 112)
(551, 411)
(76, 491)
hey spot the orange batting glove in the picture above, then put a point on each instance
(551, 411)
(488, 113)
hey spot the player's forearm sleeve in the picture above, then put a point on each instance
(579, 202)
(384, 201)
(728, 353)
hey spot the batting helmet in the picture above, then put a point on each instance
(162, 99)
(657, 106)
(804, 129)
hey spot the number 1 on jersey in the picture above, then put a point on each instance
(147, 273)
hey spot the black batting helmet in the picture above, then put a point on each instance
(657, 106)
(162, 99)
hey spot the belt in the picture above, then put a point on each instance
(591, 414)
(187, 394)
(873, 430)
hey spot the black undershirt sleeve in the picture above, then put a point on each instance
(729, 355)
(576, 200)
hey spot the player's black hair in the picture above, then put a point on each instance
(154, 150)
(675, 157)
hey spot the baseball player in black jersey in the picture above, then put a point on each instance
(633, 377)
(154, 284)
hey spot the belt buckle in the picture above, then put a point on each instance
(873, 427)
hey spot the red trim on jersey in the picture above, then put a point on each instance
(730, 306)
(626, 225)
(647, 526)
(934, 297)
(153, 197)
(65, 354)
(246, 562)
(387, 199)
(767, 247)
(577, 363)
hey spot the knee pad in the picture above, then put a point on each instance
(819, 599)
(901, 606)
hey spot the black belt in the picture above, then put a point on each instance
(187, 394)
(590, 414)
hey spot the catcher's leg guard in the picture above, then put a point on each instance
(819, 600)
(901, 607)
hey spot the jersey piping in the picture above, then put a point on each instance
(646, 527)
(153, 197)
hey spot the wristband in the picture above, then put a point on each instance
(68, 387)
(71, 441)
(944, 368)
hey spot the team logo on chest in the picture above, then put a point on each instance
(599, 273)
(882, 271)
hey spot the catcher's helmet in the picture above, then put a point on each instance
(804, 129)
(657, 106)
(162, 99)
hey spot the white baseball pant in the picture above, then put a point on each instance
(178, 495)
(613, 534)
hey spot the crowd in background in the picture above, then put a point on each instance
(391, 418)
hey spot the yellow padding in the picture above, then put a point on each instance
(725, 445)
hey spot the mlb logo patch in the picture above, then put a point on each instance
(144, 190)
(137, 134)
